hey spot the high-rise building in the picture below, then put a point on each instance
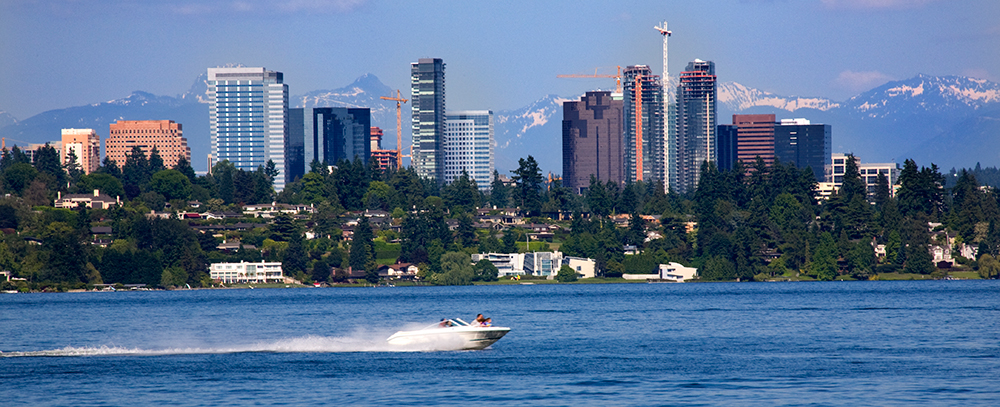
(592, 140)
(85, 144)
(642, 124)
(869, 173)
(248, 118)
(428, 122)
(696, 122)
(805, 144)
(386, 159)
(469, 146)
(725, 146)
(166, 135)
(755, 138)
(326, 135)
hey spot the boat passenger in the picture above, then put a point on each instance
(479, 319)
(445, 322)
(488, 322)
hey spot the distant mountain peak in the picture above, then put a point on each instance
(737, 97)
(7, 119)
(924, 94)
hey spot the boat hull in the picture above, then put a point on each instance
(461, 338)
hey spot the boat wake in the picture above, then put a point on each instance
(305, 344)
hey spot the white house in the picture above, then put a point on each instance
(508, 264)
(677, 272)
(244, 273)
(584, 267)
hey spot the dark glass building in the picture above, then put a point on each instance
(326, 134)
(592, 140)
(428, 120)
(805, 144)
(726, 146)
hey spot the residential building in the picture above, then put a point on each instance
(428, 120)
(542, 263)
(755, 138)
(869, 173)
(642, 124)
(726, 146)
(592, 140)
(85, 145)
(97, 200)
(469, 146)
(165, 135)
(584, 267)
(677, 272)
(247, 273)
(507, 264)
(695, 125)
(326, 135)
(248, 118)
(32, 149)
(386, 159)
(805, 144)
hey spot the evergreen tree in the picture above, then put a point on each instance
(499, 193)
(529, 186)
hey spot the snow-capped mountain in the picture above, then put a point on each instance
(923, 94)
(737, 98)
(363, 92)
(534, 130)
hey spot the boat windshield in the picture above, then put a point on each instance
(451, 322)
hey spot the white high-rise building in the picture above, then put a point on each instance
(248, 117)
(469, 146)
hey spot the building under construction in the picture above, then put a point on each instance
(643, 136)
(696, 123)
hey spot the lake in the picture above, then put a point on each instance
(835, 343)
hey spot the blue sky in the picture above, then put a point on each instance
(500, 55)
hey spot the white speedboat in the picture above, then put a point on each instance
(450, 334)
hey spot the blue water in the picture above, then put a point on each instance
(846, 343)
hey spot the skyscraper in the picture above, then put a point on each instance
(326, 135)
(696, 122)
(165, 135)
(755, 138)
(642, 111)
(725, 146)
(592, 140)
(428, 122)
(469, 146)
(85, 145)
(386, 159)
(248, 117)
(805, 144)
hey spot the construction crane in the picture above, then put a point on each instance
(617, 78)
(3, 142)
(399, 127)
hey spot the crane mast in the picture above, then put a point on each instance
(667, 123)
(399, 126)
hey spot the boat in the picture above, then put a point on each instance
(450, 334)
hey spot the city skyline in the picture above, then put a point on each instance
(501, 55)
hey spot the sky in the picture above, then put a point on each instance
(500, 55)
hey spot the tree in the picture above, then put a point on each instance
(718, 268)
(320, 271)
(918, 260)
(47, 162)
(824, 258)
(528, 190)
(484, 270)
(155, 161)
(294, 260)
(566, 274)
(172, 184)
(499, 193)
(989, 267)
(510, 241)
(456, 269)
(184, 166)
(362, 250)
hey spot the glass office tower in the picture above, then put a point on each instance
(469, 146)
(248, 117)
(326, 135)
(428, 122)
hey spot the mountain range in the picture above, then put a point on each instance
(953, 121)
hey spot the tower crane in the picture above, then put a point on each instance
(3, 142)
(617, 78)
(399, 126)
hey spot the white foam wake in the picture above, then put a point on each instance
(305, 344)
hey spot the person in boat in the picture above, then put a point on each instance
(445, 322)
(479, 320)
(488, 322)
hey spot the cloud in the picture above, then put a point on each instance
(873, 4)
(861, 81)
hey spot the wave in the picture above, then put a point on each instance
(304, 344)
